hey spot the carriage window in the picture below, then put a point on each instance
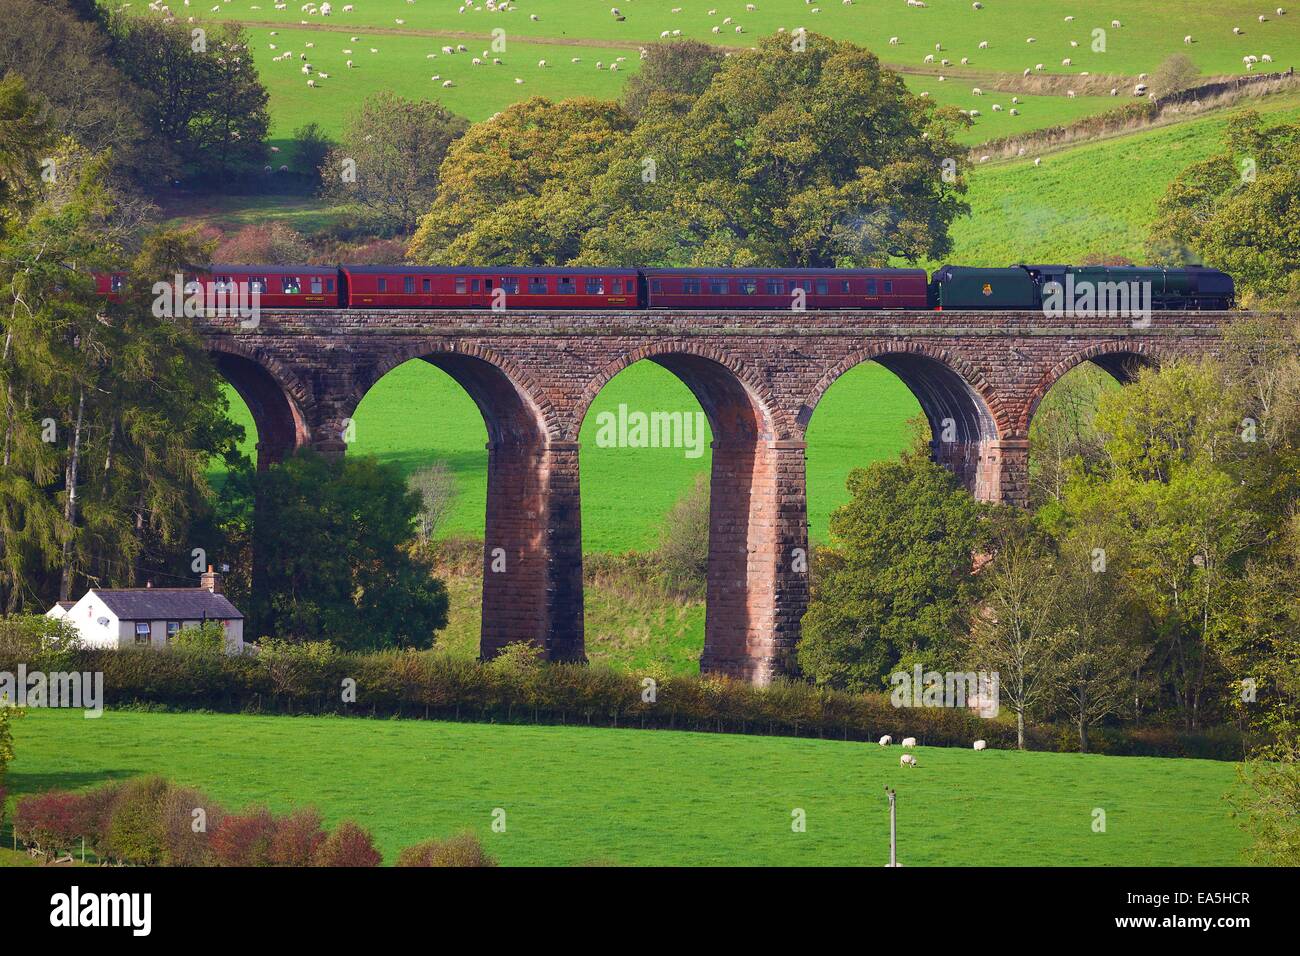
(616, 286)
(871, 287)
(291, 285)
(329, 285)
(656, 285)
(460, 285)
(257, 284)
(317, 284)
(775, 286)
(889, 286)
(426, 285)
(823, 286)
(408, 284)
(509, 285)
(595, 285)
(115, 283)
(381, 285)
(691, 286)
(567, 286)
(223, 284)
(537, 285)
(747, 286)
(473, 285)
(844, 285)
(718, 287)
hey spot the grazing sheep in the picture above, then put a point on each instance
(984, 44)
(1028, 71)
(965, 61)
(311, 82)
(1070, 93)
(1187, 39)
(1067, 62)
(893, 41)
(1115, 24)
(1014, 111)
(1038, 162)
(447, 83)
(929, 58)
(1015, 99)
(976, 91)
(997, 108)
(909, 742)
(907, 760)
(886, 740)
(1038, 66)
(974, 113)
(349, 64)
(1237, 31)
(1266, 58)
(977, 5)
(981, 745)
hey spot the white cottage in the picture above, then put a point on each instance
(150, 617)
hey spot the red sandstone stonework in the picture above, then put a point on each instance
(758, 376)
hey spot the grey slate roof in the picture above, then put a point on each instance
(167, 604)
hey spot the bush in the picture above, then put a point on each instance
(207, 638)
(136, 833)
(297, 838)
(348, 845)
(244, 839)
(464, 849)
(48, 821)
(683, 551)
(189, 816)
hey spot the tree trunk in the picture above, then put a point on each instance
(1020, 729)
(1083, 736)
(70, 503)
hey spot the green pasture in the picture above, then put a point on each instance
(574, 795)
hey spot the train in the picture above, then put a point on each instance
(1020, 287)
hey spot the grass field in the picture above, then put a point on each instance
(581, 795)
(1098, 196)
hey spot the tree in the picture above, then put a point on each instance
(1175, 74)
(802, 152)
(436, 487)
(516, 189)
(1063, 437)
(311, 148)
(679, 68)
(66, 57)
(683, 550)
(1016, 629)
(1240, 210)
(1268, 799)
(335, 536)
(202, 93)
(272, 243)
(388, 161)
(895, 587)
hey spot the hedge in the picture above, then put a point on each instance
(517, 688)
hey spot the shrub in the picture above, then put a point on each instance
(348, 845)
(189, 817)
(297, 838)
(464, 849)
(135, 832)
(48, 821)
(95, 816)
(683, 551)
(244, 839)
(206, 638)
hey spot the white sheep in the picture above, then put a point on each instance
(909, 742)
(893, 41)
(886, 740)
(1014, 111)
(981, 745)
(447, 83)
(1236, 31)
(1067, 62)
(1070, 93)
(1188, 38)
(929, 58)
(350, 64)
(997, 108)
(984, 44)
(1115, 24)
(907, 760)
(1038, 161)
(311, 82)
(976, 91)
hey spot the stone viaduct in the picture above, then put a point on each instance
(978, 376)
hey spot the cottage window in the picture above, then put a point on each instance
(172, 628)
(142, 632)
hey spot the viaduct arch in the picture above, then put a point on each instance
(978, 377)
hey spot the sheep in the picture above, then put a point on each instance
(311, 82)
(977, 5)
(350, 64)
(1115, 24)
(1038, 161)
(984, 44)
(1266, 58)
(1236, 31)
(909, 742)
(1114, 91)
(997, 107)
(974, 113)
(981, 744)
(1187, 39)
(323, 76)
(1030, 40)
(1027, 71)
(907, 760)
(1069, 19)
(1038, 66)
(976, 91)
(447, 83)
(984, 158)
(1074, 43)
(1014, 111)
(929, 58)
(1067, 62)
(886, 740)
(519, 81)
(1015, 99)
(1262, 18)
(1070, 93)
(945, 62)
(965, 61)
(893, 41)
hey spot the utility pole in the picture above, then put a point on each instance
(893, 829)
